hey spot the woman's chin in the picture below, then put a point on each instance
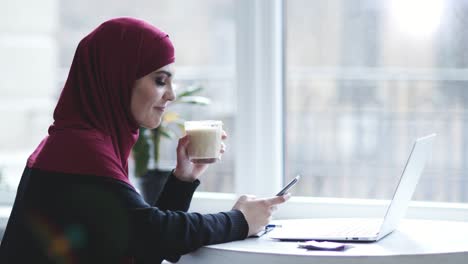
(156, 124)
(151, 123)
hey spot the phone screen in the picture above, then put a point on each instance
(289, 185)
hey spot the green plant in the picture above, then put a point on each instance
(148, 143)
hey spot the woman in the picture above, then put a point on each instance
(75, 203)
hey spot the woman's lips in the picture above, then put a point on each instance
(160, 108)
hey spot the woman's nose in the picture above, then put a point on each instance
(170, 94)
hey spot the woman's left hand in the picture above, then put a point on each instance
(186, 170)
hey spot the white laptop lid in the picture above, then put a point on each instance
(420, 153)
(422, 150)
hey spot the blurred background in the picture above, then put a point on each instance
(363, 80)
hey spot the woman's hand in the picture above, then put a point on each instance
(186, 170)
(258, 212)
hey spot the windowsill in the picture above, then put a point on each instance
(317, 207)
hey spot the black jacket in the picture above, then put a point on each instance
(67, 218)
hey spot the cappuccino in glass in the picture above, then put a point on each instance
(205, 140)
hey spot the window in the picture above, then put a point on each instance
(363, 80)
(28, 84)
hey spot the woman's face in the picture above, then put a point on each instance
(151, 95)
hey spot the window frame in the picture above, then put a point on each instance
(260, 79)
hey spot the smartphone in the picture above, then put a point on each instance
(289, 185)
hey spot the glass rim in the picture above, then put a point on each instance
(203, 123)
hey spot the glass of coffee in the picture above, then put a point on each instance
(205, 140)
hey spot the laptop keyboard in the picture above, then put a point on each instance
(340, 229)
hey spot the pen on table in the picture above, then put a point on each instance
(272, 226)
(267, 229)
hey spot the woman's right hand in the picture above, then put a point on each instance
(258, 212)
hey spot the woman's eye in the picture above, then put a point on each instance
(160, 82)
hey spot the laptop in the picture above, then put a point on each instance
(364, 230)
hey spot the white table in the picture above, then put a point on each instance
(415, 241)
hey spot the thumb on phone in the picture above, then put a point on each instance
(278, 199)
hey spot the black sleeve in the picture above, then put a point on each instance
(172, 234)
(176, 194)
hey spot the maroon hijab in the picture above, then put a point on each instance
(93, 130)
